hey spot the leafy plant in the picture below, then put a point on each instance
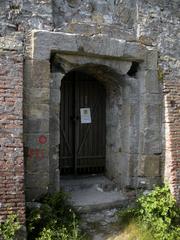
(54, 220)
(9, 228)
(160, 74)
(156, 212)
(61, 232)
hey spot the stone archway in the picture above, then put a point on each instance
(133, 130)
(117, 119)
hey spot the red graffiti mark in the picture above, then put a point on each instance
(42, 139)
(36, 153)
(30, 153)
(39, 153)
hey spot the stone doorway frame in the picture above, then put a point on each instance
(43, 175)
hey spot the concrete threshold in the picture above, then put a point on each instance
(93, 193)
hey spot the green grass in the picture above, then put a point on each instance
(132, 231)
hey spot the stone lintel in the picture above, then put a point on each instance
(73, 61)
(43, 42)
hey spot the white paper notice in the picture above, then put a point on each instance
(85, 115)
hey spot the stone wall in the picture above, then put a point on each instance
(17, 17)
(158, 25)
(153, 23)
(114, 17)
(24, 15)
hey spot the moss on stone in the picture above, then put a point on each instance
(160, 74)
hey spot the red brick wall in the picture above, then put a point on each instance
(172, 136)
(11, 135)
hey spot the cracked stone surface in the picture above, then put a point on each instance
(100, 225)
(93, 193)
(97, 199)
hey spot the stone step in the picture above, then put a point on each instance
(100, 224)
(71, 183)
(93, 193)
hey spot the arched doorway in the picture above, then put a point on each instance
(133, 110)
(82, 124)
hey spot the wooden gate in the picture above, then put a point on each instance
(82, 124)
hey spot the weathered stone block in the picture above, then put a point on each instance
(55, 138)
(149, 166)
(55, 96)
(151, 99)
(36, 95)
(12, 42)
(56, 78)
(151, 59)
(54, 127)
(34, 192)
(37, 74)
(134, 128)
(151, 82)
(38, 179)
(72, 61)
(133, 164)
(54, 168)
(33, 141)
(38, 162)
(101, 45)
(111, 30)
(146, 183)
(44, 42)
(151, 142)
(36, 125)
(36, 111)
(134, 51)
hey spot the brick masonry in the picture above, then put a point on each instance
(172, 134)
(11, 135)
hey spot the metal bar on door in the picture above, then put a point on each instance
(76, 129)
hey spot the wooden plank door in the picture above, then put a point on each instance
(83, 144)
(67, 125)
